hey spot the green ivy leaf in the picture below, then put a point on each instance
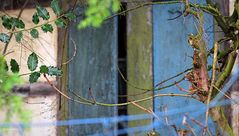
(34, 33)
(34, 77)
(19, 36)
(6, 22)
(17, 23)
(47, 28)
(35, 18)
(4, 38)
(60, 23)
(70, 16)
(14, 66)
(54, 71)
(32, 61)
(56, 7)
(43, 13)
(43, 69)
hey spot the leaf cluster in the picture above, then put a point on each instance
(11, 103)
(98, 11)
(41, 14)
(32, 64)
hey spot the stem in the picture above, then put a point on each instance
(212, 81)
(225, 73)
(10, 37)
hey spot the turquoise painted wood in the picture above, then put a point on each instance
(95, 67)
(172, 56)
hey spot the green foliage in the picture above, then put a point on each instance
(70, 16)
(34, 76)
(34, 33)
(14, 66)
(8, 101)
(4, 38)
(43, 13)
(54, 71)
(6, 22)
(61, 23)
(32, 61)
(17, 23)
(9, 23)
(44, 69)
(98, 11)
(56, 7)
(32, 64)
(35, 18)
(19, 36)
(47, 28)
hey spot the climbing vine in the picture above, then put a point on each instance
(202, 88)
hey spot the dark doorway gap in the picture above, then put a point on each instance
(122, 64)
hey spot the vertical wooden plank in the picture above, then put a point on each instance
(139, 60)
(171, 56)
(95, 67)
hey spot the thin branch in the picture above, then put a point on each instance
(82, 98)
(184, 122)
(10, 37)
(67, 97)
(74, 53)
(143, 5)
(110, 104)
(223, 76)
(170, 78)
(91, 95)
(227, 96)
(181, 89)
(154, 88)
(214, 66)
(195, 121)
(150, 111)
(132, 85)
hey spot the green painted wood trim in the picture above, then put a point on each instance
(139, 60)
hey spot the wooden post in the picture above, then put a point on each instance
(93, 70)
(139, 60)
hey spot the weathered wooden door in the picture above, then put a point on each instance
(94, 67)
(172, 56)
(157, 49)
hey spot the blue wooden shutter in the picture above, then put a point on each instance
(172, 56)
(95, 67)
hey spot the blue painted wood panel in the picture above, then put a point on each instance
(172, 56)
(95, 67)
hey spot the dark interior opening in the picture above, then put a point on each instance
(122, 64)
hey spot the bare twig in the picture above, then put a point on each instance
(184, 122)
(181, 89)
(195, 121)
(154, 88)
(74, 53)
(67, 97)
(91, 95)
(214, 66)
(150, 111)
(10, 37)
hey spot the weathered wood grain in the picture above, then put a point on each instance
(95, 67)
(139, 60)
(172, 56)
